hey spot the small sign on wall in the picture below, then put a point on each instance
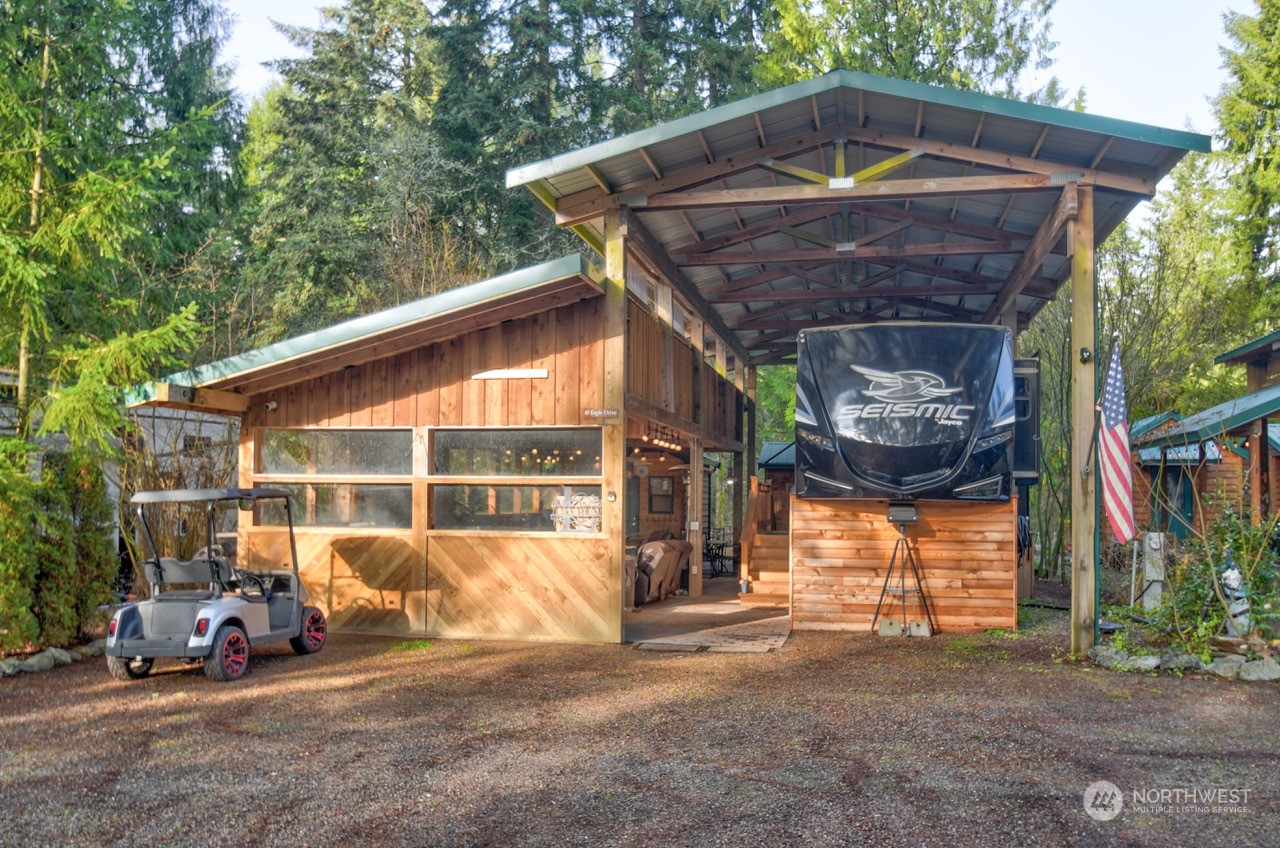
(600, 412)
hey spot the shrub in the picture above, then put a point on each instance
(1195, 603)
(18, 626)
(56, 560)
(76, 563)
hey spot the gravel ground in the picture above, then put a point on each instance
(837, 739)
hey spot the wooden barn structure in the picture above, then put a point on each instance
(844, 199)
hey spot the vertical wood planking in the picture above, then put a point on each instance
(428, 385)
(450, 369)
(381, 393)
(361, 408)
(567, 409)
(519, 392)
(340, 398)
(542, 345)
(473, 412)
(591, 362)
(494, 355)
(404, 382)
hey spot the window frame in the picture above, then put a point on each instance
(305, 510)
(500, 481)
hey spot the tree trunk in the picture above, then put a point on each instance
(26, 319)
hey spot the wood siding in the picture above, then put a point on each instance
(415, 581)
(666, 371)
(363, 582)
(840, 553)
(432, 386)
(522, 587)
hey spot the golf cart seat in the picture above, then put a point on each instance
(171, 571)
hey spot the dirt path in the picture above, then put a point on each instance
(832, 740)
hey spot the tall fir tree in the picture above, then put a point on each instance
(1248, 112)
(116, 130)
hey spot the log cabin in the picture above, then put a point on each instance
(462, 463)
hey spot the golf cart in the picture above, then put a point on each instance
(205, 608)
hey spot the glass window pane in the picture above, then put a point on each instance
(342, 505)
(546, 509)
(517, 453)
(337, 452)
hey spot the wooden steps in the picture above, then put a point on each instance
(770, 572)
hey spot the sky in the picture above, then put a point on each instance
(1151, 61)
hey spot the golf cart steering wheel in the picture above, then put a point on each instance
(248, 577)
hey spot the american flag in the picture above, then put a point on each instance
(1113, 454)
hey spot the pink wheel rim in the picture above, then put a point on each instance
(235, 655)
(314, 630)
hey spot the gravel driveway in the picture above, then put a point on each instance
(835, 739)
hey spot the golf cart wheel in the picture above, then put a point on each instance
(229, 659)
(314, 629)
(129, 668)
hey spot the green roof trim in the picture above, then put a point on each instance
(434, 306)
(1243, 353)
(974, 101)
(1219, 420)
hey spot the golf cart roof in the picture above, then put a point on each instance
(204, 495)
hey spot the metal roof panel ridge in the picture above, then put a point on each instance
(855, 80)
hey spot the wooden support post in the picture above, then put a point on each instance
(1084, 491)
(738, 495)
(663, 310)
(613, 462)
(694, 520)
(1259, 484)
(752, 450)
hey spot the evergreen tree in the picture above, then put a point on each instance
(115, 133)
(1248, 112)
(980, 45)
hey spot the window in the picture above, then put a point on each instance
(542, 480)
(662, 495)
(517, 453)
(289, 457)
(566, 509)
(342, 505)
(370, 452)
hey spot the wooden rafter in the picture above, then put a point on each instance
(591, 203)
(1033, 257)
(1144, 186)
(873, 252)
(883, 190)
(807, 296)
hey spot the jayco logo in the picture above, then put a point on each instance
(905, 394)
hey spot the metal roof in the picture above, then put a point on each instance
(809, 205)
(1218, 421)
(777, 455)
(1145, 425)
(1261, 348)
(522, 292)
